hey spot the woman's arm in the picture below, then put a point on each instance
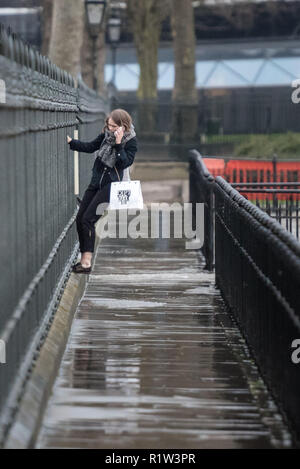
(86, 147)
(125, 156)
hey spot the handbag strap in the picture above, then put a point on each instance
(117, 173)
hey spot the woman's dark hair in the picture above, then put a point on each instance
(120, 117)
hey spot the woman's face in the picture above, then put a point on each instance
(112, 126)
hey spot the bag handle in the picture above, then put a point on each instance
(117, 173)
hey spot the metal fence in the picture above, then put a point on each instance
(201, 185)
(279, 200)
(257, 265)
(220, 121)
(38, 241)
(223, 112)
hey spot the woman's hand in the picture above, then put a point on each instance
(68, 139)
(119, 134)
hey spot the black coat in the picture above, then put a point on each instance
(125, 157)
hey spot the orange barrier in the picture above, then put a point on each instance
(289, 171)
(255, 171)
(216, 166)
(249, 171)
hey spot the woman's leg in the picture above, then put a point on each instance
(87, 198)
(90, 217)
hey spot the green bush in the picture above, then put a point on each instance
(265, 146)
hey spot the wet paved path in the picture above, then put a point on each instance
(153, 361)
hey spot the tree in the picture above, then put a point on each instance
(185, 99)
(145, 19)
(86, 51)
(46, 25)
(67, 34)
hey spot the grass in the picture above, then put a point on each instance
(231, 138)
(259, 146)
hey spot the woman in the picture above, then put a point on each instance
(117, 146)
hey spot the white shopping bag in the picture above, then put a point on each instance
(126, 174)
(125, 194)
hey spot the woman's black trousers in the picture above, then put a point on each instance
(88, 215)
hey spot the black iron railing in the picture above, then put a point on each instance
(201, 185)
(257, 265)
(40, 105)
(280, 201)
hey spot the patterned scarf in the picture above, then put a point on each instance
(107, 152)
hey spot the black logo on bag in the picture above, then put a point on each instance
(123, 196)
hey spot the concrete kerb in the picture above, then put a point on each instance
(24, 431)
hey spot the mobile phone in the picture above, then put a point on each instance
(115, 133)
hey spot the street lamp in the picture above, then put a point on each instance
(95, 10)
(114, 33)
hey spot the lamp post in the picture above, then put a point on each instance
(95, 10)
(114, 33)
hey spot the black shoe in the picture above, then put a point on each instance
(79, 269)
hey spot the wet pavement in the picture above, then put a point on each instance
(154, 361)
